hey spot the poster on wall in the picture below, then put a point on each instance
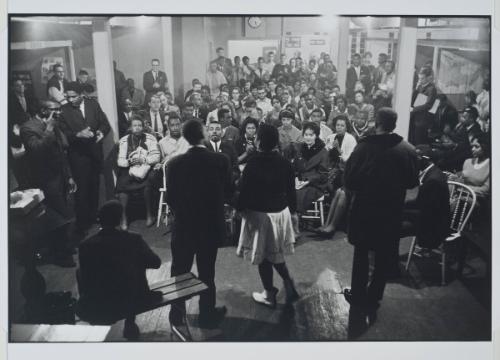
(47, 65)
(292, 42)
(457, 74)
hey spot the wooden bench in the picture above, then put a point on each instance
(177, 288)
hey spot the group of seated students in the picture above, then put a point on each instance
(319, 124)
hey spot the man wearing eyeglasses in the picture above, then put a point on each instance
(56, 86)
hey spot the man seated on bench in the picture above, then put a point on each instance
(112, 277)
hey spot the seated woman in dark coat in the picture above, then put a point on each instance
(310, 162)
(112, 280)
(138, 152)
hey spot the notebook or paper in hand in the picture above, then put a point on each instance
(434, 107)
(421, 99)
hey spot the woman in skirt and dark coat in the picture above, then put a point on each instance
(140, 150)
(267, 199)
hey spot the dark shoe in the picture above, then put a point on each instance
(131, 331)
(353, 301)
(291, 293)
(65, 262)
(212, 319)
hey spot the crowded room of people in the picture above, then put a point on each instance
(249, 178)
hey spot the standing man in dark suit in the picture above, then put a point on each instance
(57, 84)
(46, 148)
(216, 144)
(85, 125)
(198, 183)
(154, 81)
(224, 64)
(357, 72)
(21, 108)
(380, 169)
(423, 98)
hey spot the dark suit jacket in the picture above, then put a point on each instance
(46, 151)
(378, 172)
(46, 154)
(148, 81)
(198, 185)
(73, 122)
(227, 148)
(146, 115)
(112, 276)
(433, 205)
(352, 77)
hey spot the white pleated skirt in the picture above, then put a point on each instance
(267, 236)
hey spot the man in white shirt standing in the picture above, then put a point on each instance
(57, 84)
(269, 64)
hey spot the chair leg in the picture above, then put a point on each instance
(322, 213)
(160, 205)
(410, 253)
(443, 267)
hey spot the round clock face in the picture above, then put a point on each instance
(254, 21)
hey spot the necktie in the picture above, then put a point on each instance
(216, 147)
(154, 75)
(155, 125)
(22, 99)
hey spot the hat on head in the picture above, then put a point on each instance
(472, 110)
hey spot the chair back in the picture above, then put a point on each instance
(462, 203)
(163, 168)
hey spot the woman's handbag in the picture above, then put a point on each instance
(139, 171)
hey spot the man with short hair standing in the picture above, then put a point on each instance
(198, 183)
(154, 81)
(85, 126)
(215, 79)
(379, 171)
(56, 86)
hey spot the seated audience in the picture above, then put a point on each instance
(135, 95)
(310, 162)
(360, 125)
(273, 117)
(288, 134)
(230, 132)
(125, 113)
(137, 153)
(455, 148)
(245, 145)
(154, 118)
(427, 216)
(174, 143)
(197, 85)
(112, 277)
(359, 101)
(339, 109)
(317, 117)
(216, 144)
(476, 170)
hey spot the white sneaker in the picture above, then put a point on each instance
(267, 298)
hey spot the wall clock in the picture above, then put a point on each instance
(255, 21)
